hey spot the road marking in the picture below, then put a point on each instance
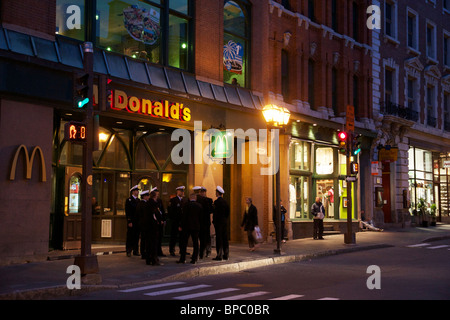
(328, 298)
(439, 247)
(418, 245)
(243, 296)
(159, 293)
(154, 286)
(206, 293)
(289, 297)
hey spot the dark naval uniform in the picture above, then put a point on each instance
(190, 227)
(220, 221)
(175, 210)
(205, 225)
(132, 241)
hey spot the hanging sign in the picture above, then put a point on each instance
(142, 24)
(221, 144)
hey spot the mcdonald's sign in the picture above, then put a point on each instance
(28, 162)
(221, 145)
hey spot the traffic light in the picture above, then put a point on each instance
(81, 89)
(356, 146)
(342, 137)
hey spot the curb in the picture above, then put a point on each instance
(61, 291)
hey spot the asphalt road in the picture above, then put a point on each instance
(411, 272)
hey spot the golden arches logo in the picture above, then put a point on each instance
(28, 163)
(221, 147)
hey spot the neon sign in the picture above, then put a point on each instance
(119, 100)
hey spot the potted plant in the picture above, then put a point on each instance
(433, 208)
(422, 210)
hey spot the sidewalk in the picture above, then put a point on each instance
(47, 279)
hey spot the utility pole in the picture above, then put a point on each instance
(86, 261)
(349, 237)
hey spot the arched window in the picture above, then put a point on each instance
(236, 42)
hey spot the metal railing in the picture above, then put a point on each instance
(393, 109)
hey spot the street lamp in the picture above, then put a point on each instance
(277, 117)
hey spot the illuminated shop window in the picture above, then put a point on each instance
(235, 49)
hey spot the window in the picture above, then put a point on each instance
(356, 93)
(324, 161)
(70, 19)
(299, 152)
(311, 10)
(285, 75)
(334, 90)
(411, 93)
(446, 48)
(334, 15)
(156, 31)
(356, 25)
(431, 96)
(300, 177)
(236, 43)
(431, 41)
(412, 30)
(388, 85)
(446, 5)
(311, 85)
(447, 111)
(390, 20)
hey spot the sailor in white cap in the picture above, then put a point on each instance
(180, 188)
(220, 190)
(220, 221)
(197, 189)
(132, 222)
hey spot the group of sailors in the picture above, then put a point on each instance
(190, 217)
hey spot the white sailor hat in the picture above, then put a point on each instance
(154, 189)
(219, 188)
(202, 188)
(196, 188)
(181, 188)
(136, 187)
(145, 193)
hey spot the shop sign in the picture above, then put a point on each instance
(28, 160)
(221, 145)
(388, 155)
(445, 164)
(120, 100)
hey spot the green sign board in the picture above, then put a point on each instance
(221, 144)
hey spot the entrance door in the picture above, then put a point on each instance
(325, 191)
(72, 209)
(387, 192)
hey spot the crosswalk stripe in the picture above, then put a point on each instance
(328, 298)
(247, 295)
(418, 245)
(183, 289)
(206, 293)
(289, 297)
(154, 286)
(439, 247)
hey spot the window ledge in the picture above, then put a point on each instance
(391, 40)
(432, 60)
(413, 51)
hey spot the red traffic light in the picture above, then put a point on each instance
(342, 136)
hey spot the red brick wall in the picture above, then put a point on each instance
(34, 15)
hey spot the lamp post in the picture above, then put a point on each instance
(277, 117)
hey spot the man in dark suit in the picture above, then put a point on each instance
(220, 221)
(132, 241)
(205, 222)
(190, 227)
(175, 208)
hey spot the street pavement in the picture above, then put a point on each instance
(48, 279)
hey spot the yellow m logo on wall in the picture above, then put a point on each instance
(28, 161)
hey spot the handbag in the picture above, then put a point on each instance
(258, 234)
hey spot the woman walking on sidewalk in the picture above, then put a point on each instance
(249, 222)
